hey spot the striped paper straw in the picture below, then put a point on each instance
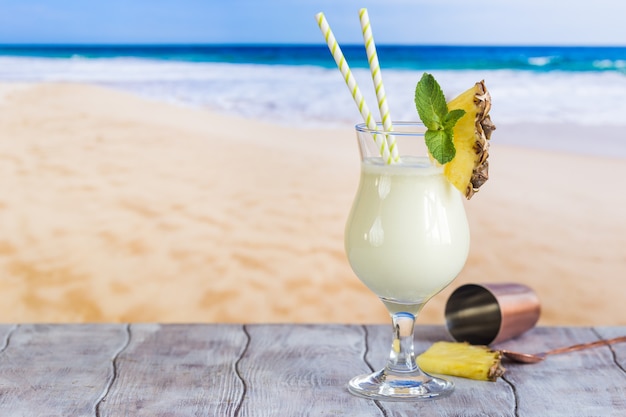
(377, 78)
(335, 50)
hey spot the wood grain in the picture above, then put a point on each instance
(303, 371)
(178, 370)
(583, 383)
(282, 370)
(57, 370)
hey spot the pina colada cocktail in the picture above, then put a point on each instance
(407, 235)
(406, 239)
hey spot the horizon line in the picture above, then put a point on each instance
(303, 44)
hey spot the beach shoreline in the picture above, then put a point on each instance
(117, 208)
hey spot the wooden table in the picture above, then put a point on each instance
(281, 370)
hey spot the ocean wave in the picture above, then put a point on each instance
(541, 61)
(606, 64)
(312, 95)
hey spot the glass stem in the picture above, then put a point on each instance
(402, 356)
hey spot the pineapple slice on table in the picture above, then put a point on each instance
(469, 169)
(463, 360)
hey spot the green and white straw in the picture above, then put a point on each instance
(341, 62)
(377, 78)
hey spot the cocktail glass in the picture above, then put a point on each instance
(406, 239)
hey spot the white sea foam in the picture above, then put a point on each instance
(315, 96)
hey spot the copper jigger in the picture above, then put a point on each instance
(483, 314)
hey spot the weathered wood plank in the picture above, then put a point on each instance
(619, 350)
(470, 397)
(178, 370)
(583, 383)
(53, 370)
(303, 371)
(6, 330)
(291, 370)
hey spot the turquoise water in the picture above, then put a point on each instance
(529, 58)
(300, 84)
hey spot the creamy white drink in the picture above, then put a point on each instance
(407, 235)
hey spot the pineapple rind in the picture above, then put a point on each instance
(462, 360)
(469, 169)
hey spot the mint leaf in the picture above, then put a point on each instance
(440, 145)
(433, 111)
(430, 102)
(451, 118)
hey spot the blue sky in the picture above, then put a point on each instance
(510, 22)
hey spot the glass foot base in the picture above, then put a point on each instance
(411, 386)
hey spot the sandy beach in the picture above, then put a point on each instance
(116, 208)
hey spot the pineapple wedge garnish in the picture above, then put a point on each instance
(469, 169)
(463, 360)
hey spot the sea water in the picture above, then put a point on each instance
(300, 85)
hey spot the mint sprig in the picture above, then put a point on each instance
(433, 111)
